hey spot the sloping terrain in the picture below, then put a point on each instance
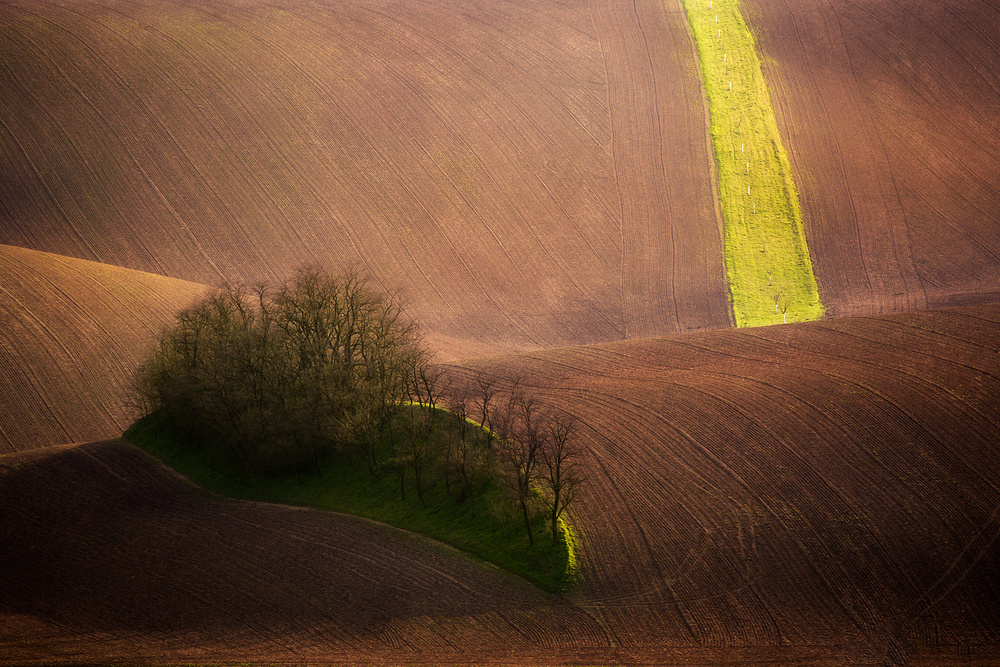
(107, 555)
(536, 175)
(72, 334)
(823, 493)
(832, 483)
(472, 153)
(891, 113)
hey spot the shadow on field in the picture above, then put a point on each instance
(100, 538)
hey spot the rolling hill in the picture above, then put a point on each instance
(73, 334)
(809, 494)
(537, 177)
(831, 483)
(471, 153)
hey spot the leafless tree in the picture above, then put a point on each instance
(560, 457)
(281, 378)
(423, 385)
(518, 423)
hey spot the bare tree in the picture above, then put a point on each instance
(282, 378)
(520, 437)
(560, 457)
(485, 397)
(467, 455)
(422, 385)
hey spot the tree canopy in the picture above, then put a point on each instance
(279, 378)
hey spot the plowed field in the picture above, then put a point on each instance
(824, 493)
(831, 483)
(537, 176)
(891, 113)
(107, 555)
(72, 333)
(472, 152)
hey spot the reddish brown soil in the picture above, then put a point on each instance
(107, 555)
(890, 110)
(534, 174)
(72, 333)
(832, 483)
(473, 153)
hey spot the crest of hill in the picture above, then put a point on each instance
(502, 162)
(73, 333)
(824, 493)
(830, 483)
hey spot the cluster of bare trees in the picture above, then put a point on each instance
(527, 449)
(280, 380)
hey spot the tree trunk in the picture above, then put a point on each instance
(527, 523)
(555, 517)
(420, 494)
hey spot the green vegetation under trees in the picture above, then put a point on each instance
(768, 265)
(319, 393)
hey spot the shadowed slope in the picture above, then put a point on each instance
(891, 114)
(144, 567)
(72, 334)
(833, 483)
(499, 160)
(825, 493)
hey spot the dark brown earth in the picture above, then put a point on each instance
(890, 111)
(536, 175)
(833, 483)
(107, 555)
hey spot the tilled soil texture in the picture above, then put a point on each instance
(72, 334)
(832, 483)
(530, 173)
(891, 113)
(107, 555)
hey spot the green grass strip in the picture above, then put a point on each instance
(770, 273)
(491, 531)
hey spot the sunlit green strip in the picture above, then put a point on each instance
(770, 273)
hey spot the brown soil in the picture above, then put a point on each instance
(72, 333)
(832, 483)
(108, 555)
(536, 175)
(891, 113)
(473, 153)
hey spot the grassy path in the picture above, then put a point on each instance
(767, 261)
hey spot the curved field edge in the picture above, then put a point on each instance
(111, 558)
(72, 332)
(770, 272)
(820, 483)
(491, 536)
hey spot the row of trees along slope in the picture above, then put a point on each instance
(327, 370)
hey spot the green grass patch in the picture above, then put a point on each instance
(770, 273)
(490, 529)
